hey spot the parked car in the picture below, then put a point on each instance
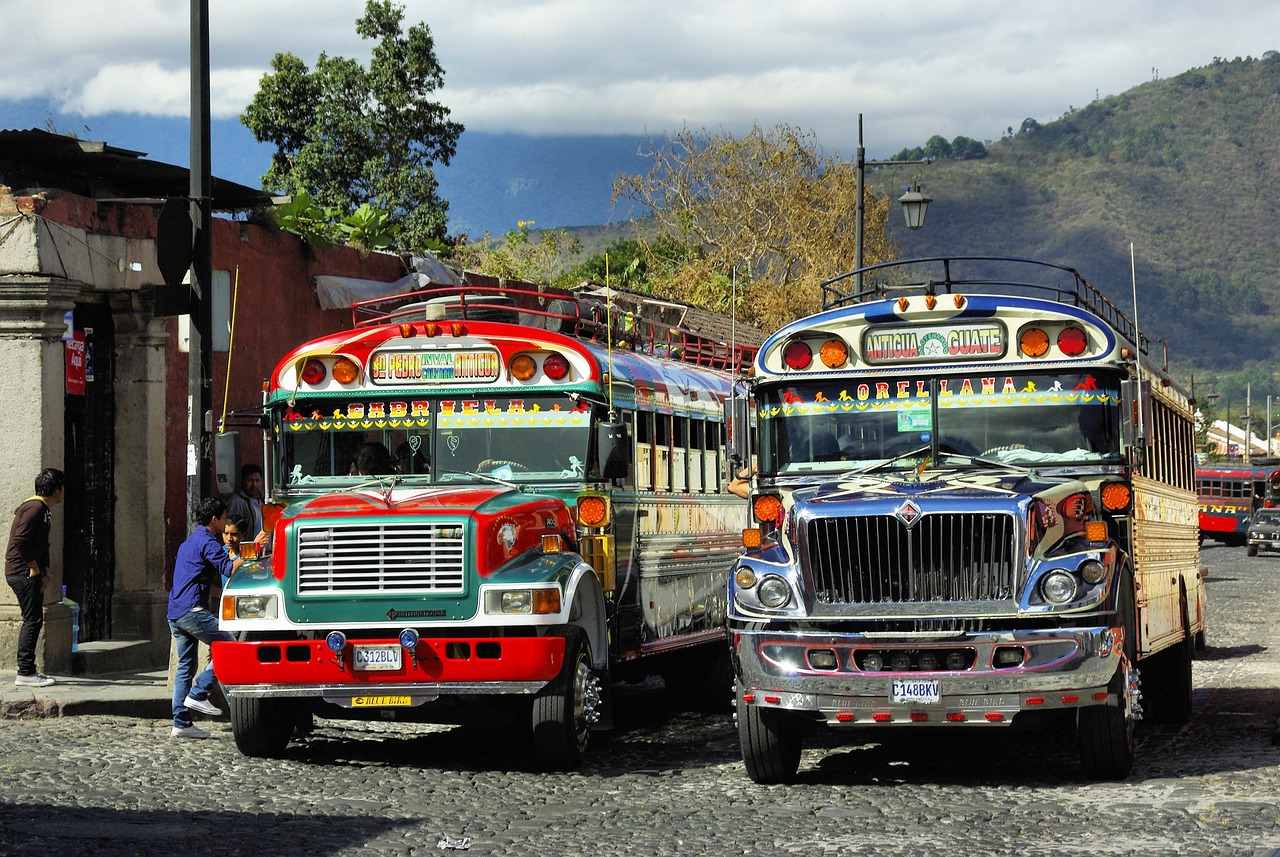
(1264, 531)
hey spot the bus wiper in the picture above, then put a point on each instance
(911, 453)
(484, 477)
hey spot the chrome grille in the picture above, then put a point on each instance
(371, 558)
(943, 557)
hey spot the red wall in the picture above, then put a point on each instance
(275, 309)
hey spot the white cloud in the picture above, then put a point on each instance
(971, 67)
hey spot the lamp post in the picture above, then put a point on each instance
(914, 203)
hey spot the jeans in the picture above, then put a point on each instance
(31, 602)
(189, 631)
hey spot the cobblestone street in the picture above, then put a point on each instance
(668, 783)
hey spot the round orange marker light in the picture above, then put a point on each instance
(345, 370)
(833, 353)
(1116, 496)
(523, 367)
(1033, 342)
(767, 508)
(592, 511)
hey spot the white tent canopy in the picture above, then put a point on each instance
(342, 292)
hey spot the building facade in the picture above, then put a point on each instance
(96, 381)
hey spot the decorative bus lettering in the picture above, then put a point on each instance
(968, 342)
(399, 367)
(985, 391)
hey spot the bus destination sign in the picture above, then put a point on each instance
(481, 365)
(933, 343)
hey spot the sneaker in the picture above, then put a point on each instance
(192, 731)
(204, 706)
(36, 680)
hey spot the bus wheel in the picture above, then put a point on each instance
(771, 742)
(1166, 682)
(1105, 732)
(565, 710)
(262, 727)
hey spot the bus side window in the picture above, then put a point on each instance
(680, 454)
(644, 451)
(697, 483)
(662, 452)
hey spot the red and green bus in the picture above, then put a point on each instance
(485, 509)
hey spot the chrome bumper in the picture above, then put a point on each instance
(1062, 668)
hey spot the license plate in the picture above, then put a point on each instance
(380, 701)
(375, 657)
(919, 692)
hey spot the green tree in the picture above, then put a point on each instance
(521, 254)
(769, 205)
(350, 135)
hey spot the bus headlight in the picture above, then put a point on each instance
(251, 607)
(774, 592)
(1058, 587)
(508, 602)
(1092, 571)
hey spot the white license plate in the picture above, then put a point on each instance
(376, 657)
(919, 692)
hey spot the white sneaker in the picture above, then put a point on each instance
(192, 731)
(36, 680)
(204, 706)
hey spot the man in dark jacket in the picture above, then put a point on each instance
(26, 568)
(200, 566)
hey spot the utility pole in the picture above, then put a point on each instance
(200, 365)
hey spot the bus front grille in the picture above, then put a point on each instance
(372, 558)
(943, 557)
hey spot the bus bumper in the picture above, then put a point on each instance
(434, 668)
(820, 674)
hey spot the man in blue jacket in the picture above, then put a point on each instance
(200, 566)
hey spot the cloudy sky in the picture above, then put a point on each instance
(949, 67)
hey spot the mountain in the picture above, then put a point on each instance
(1184, 168)
(496, 180)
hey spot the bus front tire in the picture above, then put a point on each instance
(771, 742)
(565, 710)
(262, 727)
(1105, 732)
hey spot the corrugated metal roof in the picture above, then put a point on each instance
(34, 159)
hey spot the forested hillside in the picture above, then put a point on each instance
(1186, 168)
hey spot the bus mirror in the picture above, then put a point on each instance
(735, 420)
(1135, 397)
(611, 450)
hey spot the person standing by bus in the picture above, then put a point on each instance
(26, 568)
(202, 561)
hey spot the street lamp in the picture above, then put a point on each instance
(914, 204)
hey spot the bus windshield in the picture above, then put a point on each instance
(1016, 418)
(542, 438)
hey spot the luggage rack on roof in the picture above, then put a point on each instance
(895, 277)
(557, 311)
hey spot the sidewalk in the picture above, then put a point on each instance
(129, 694)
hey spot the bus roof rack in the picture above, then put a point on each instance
(559, 311)
(1011, 274)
